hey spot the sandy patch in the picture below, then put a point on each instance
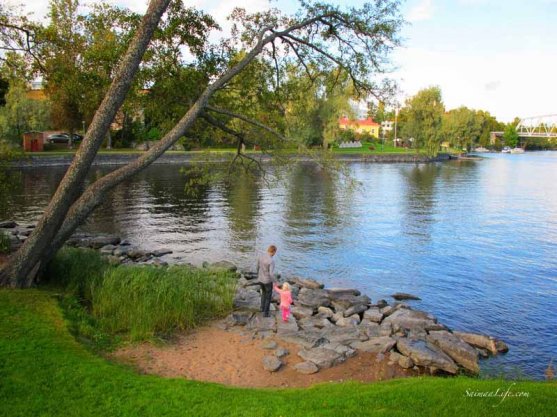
(234, 358)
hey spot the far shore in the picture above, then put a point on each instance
(176, 157)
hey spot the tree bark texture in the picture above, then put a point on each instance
(20, 268)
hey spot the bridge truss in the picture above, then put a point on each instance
(538, 127)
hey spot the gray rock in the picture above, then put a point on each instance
(8, 224)
(461, 352)
(404, 318)
(108, 250)
(161, 252)
(113, 260)
(306, 368)
(305, 283)
(357, 309)
(385, 329)
(306, 339)
(313, 298)
(347, 301)
(404, 296)
(337, 316)
(353, 320)
(323, 358)
(314, 323)
(247, 299)
(426, 355)
(261, 323)
(342, 292)
(380, 344)
(381, 304)
(239, 318)
(135, 253)
(287, 326)
(405, 362)
(482, 341)
(343, 335)
(125, 242)
(370, 329)
(344, 350)
(387, 310)
(281, 352)
(226, 265)
(100, 241)
(271, 363)
(373, 314)
(301, 312)
(120, 251)
(325, 312)
(394, 357)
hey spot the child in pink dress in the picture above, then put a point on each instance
(285, 300)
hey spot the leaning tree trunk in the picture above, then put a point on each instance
(21, 268)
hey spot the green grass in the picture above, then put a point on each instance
(44, 371)
(136, 302)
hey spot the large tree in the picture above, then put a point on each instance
(422, 118)
(355, 40)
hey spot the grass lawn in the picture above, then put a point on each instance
(44, 371)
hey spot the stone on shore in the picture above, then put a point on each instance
(306, 368)
(8, 224)
(483, 342)
(344, 302)
(226, 265)
(380, 344)
(373, 314)
(247, 299)
(260, 323)
(325, 312)
(301, 312)
(353, 320)
(271, 363)
(100, 241)
(238, 318)
(322, 357)
(404, 318)
(426, 355)
(356, 309)
(270, 344)
(343, 292)
(313, 298)
(281, 352)
(161, 252)
(305, 283)
(461, 352)
(399, 296)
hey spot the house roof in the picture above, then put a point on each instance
(360, 122)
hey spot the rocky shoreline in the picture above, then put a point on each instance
(329, 325)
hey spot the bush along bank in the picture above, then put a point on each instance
(137, 302)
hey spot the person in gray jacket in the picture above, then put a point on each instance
(266, 278)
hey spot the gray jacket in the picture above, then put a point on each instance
(265, 269)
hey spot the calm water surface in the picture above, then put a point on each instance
(477, 240)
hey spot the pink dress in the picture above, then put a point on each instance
(285, 301)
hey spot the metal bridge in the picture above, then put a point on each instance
(538, 127)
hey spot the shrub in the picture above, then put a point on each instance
(5, 244)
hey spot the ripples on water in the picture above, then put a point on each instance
(476, 240)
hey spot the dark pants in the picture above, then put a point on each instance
(266, 295)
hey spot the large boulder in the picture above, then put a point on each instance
(100, 241)
(238, 318)
(353, 320)
(373, 314)
(461, 352)
(247, 299)
(404, 318)
(343, 292)
(426, 355)
(305, 283)
(223, 265)
(301, 312)
(355, 309)
(484, 342)
(343, 302)
(260, 323)
(343, 335)
(380, 344)
(313, 298)
(322, 357)
(307, 338)
(287, 326)
(370, 329)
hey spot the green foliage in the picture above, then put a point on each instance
(510, 136)
(464, 128)
(138, 301)
(421, 120)
(21, 114)
(46, 372)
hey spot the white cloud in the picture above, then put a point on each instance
(421, 11)
(500, 84)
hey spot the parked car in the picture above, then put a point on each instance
(63, 138)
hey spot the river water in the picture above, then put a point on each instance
(476, 240)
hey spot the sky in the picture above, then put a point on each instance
(494, 55)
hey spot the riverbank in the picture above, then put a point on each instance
(175, 157)
(45, 371)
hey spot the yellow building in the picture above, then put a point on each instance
(360, 126)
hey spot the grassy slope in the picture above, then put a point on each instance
(44, 371)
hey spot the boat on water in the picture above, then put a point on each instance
(506, 149)
(517, 150)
